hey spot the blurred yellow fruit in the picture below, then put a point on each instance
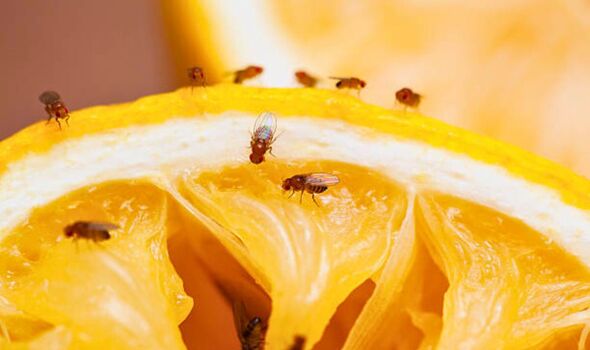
(435, 237)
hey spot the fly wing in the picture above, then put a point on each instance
(265, 126)
(49, 97)
(339, 78)
(266, 119)
(102, 226)
(321, 179)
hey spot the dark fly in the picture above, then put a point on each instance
(311, 183)
(55, 107)
(90, 230)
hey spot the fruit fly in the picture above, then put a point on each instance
(305, 79)
(247, 73)
(54, 107)
(94, 231)
(251, 331)
(196, 76)
(312, 183)
(350, 83)
(263, 136)
(408, 98)
(298, 343)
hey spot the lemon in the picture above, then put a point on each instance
(434, 237)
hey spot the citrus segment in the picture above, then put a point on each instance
(345, 317)
(308, 257)
(16, 326)
(374, 326)
(211, 311)
(509, 287)
(118, 293)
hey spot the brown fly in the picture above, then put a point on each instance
(408, 98)
(312, 183)
(90, 230)
(247, 73)
(196, 75)
(298, 343)
(263, 136)
(305, 79)
(251, 331)
(350, 83)
(54, 107)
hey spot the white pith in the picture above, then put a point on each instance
(163, 151)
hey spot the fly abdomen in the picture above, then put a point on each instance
(251, 326)
(316, 188)
(253, 335)
(101, 235)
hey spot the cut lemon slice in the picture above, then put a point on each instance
(433, 237)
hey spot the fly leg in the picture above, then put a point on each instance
(292, 193)
(313, 197)
(301, 197)
(67, 118)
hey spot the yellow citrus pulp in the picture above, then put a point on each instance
(434, 238)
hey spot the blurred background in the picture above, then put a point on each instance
(516, 70)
